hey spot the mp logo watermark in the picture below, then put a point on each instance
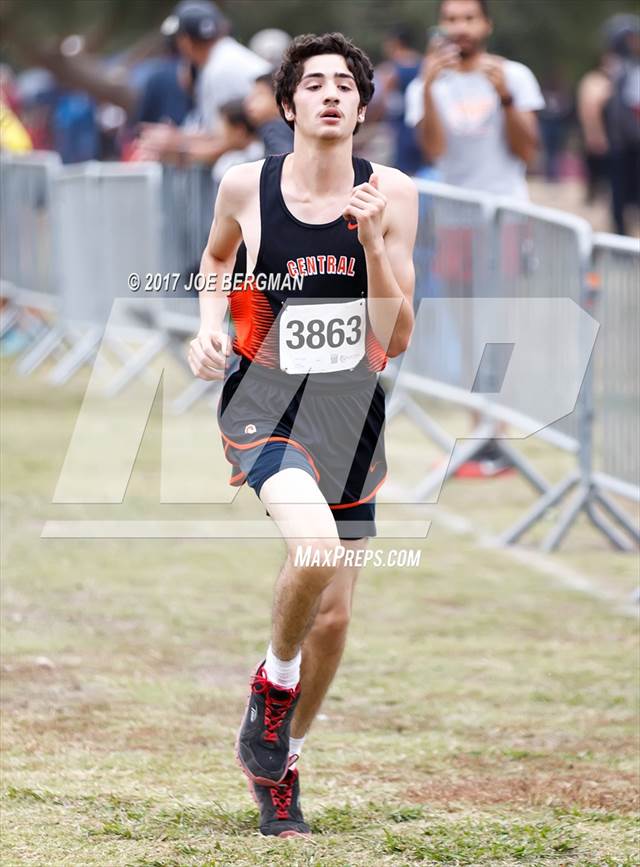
(516, 362)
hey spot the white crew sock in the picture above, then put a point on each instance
(295, 749)
(285, 673)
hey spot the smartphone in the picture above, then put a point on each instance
(436, 34)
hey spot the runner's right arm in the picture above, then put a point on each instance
(208, 350)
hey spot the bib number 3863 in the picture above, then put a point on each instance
(320, 338)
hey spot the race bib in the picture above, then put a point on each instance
(320, 338)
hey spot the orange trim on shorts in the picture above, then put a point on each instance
(273, 440)
(364, 499)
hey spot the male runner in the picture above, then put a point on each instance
(302, 416)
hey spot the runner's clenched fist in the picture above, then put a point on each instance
(366, 208)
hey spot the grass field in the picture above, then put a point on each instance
(485, 713)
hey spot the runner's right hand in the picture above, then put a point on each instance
(208, 352)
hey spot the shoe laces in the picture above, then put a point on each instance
(282, 795)
(276, 707)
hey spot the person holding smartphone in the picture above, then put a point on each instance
(474, 111)
(474, 115)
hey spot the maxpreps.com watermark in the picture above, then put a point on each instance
(237, 282)
(308, 556)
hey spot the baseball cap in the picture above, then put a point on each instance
(200, 19)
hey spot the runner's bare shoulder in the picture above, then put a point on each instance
(240, 184)
(394, 183)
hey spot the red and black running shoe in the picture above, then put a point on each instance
(280, 813)
(263, 740)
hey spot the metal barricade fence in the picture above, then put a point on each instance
(451, 259)
(107, 227)
(616, 270)
(188, 195)
(27, 266)
(542, 253)
(187, 200)
(106, 219)
(190, 192)
(556, 261)
(454, 262)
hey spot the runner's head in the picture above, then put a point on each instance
(324, 85)
(466, 23)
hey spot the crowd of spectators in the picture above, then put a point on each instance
(445, 109)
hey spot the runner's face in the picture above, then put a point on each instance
(327, 100)
(465, 25)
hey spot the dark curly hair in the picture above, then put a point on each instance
(309, 45)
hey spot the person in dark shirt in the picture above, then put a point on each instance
(401, 67)
(166, 96)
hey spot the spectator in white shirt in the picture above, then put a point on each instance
(475, 120)
(474, 111)
(226, 72)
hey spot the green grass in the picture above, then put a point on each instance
(484, 714)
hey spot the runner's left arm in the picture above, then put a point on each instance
(387, 225)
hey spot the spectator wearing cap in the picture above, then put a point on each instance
(226, 72)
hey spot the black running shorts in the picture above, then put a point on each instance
(333, 430)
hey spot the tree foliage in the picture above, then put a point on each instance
(551, 36)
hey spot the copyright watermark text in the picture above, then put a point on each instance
(172, 282)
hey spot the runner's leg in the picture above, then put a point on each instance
(298, 507)
(324, 644)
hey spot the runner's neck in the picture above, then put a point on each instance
(319, 170)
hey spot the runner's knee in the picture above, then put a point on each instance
(331, 625)
(316, 559)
